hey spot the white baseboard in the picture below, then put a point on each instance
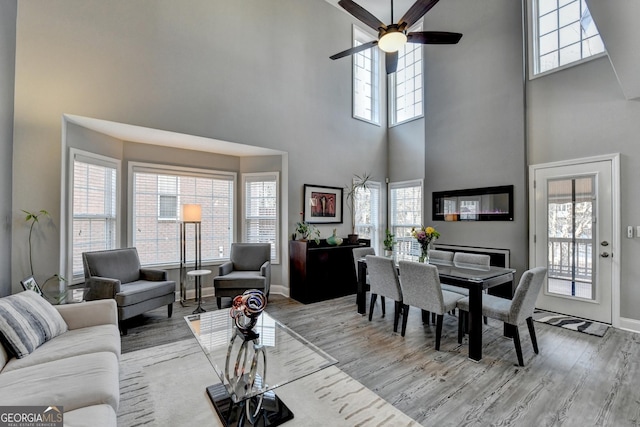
(631, 325)
(280, 290)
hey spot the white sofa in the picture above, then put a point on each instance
(77, 370)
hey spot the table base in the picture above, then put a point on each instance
(273, 413)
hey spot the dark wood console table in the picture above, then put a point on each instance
(319, 272)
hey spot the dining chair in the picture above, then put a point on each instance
(511, 312)
(467, 258)
(384, 281)
(439, 255)
(359, 253)
(421, 288)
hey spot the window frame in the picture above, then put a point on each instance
(415, 248)
(533, 48)
(275, 177)
(98, 160)
(376, 212)
(361, 35)
(392, 84)
(160, 169)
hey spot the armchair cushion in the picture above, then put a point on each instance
(249, 256)
(121, 264)
(241, 280)
(142, 290)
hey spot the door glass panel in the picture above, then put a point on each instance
(571, 241)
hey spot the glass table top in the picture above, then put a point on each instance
(469, 272)
(251, 367)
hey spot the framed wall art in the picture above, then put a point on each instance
(30, 284)
(322, 205)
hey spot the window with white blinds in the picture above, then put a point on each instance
(157, 193)
(405, 200)
(94, 206)
(367, 210)
(261, 203)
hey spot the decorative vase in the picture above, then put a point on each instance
(353, 239)
(333, 240)
(424, 254)
(388, 253)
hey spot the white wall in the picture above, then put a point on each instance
(8, 11)
(219, 69)
(581, 112)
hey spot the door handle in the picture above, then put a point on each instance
(604, 254)
(604, 243)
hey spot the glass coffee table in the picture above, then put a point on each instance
(250, 367)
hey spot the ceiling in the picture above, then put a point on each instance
(381, 9)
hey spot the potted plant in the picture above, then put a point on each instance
(360, 182)
(58, 296)
(306, 230)
(388, 243)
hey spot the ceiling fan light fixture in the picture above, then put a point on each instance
(392, 41)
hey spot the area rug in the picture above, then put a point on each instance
(572, 323)
(165, 386)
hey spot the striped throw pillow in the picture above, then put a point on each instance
(27, 321)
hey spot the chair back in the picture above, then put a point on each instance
(361, 253)
(122, 264)
(526, 294)
(249, 256)
(477, 259)
(440, 255)
(383, 277)
(420, 285)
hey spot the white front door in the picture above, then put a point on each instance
(572, 234)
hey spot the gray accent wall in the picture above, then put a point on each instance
(8, 11)
(473, 129)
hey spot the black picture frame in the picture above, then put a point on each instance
(30, 284)
(322, 204)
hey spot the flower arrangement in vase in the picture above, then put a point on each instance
(424, 236)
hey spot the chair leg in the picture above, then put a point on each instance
(219, 302)
(516, 342)
(532, 332)
(169, 310)
(396, 315)
(383, 303)
(460, 325)
(439, 320)
(372, 304)
(425, 317)
(123, 327)
(433, 318)
(485, 320)
(405, 317)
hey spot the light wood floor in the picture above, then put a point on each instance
(576, 380)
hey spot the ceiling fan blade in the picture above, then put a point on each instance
(391, 62)
(416, 12)
(353, 50)
(434, 37)
(362, 14)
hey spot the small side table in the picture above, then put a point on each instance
(197, 274)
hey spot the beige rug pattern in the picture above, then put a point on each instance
(165, 386)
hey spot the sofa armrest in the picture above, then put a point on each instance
(153, 274)
(90, 313)
(101, 288)
(225, 268)
(265, 270)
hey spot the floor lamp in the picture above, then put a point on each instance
(191, 214)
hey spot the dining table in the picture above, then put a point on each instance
(473, 277)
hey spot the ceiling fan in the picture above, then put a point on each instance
(393, 36)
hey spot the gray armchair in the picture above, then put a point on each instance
(117, 274)
(249, 267)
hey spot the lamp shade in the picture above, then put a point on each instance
(191, 213)
(392, 41)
